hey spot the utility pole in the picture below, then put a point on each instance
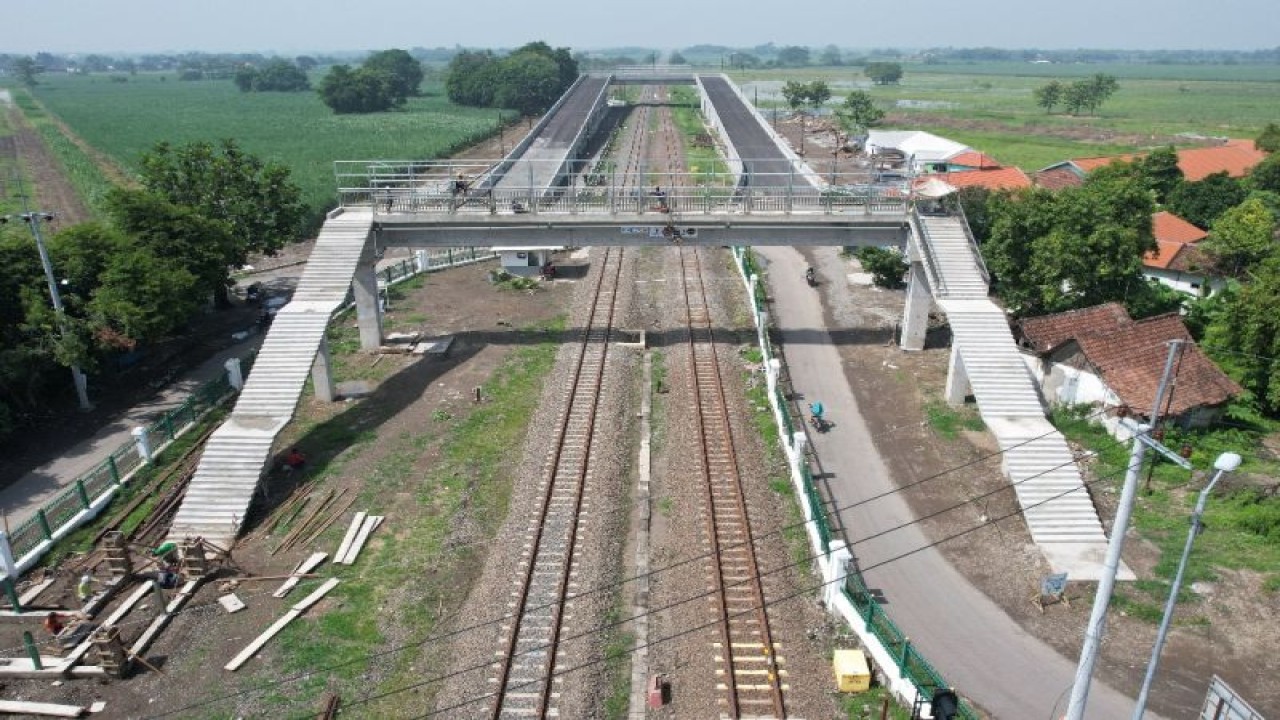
(1226, 462)
(1102, 599)
(33, 220)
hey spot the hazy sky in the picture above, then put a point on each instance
(296, 26)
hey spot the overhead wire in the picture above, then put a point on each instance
(672, 566)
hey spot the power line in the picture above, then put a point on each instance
(791, 596)
(609, 586)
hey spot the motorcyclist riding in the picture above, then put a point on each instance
(809, 276)
(816, 411)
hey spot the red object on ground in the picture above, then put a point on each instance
(657, 692)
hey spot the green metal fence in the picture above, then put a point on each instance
(123, 461)
(911, 663)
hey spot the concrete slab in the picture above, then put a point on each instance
(1081, 561)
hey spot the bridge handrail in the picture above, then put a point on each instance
(732, 158)
(973, 243)
(806, 172)
(584, 131)
(923, 241)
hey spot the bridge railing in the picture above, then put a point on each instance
(468, 187)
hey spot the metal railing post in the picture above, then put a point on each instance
(43, 521)
(113, 469)
(82, 494)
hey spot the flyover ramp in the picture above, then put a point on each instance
(1057, 507)
(237, 453)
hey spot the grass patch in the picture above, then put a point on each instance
(866, 705)
(471, 479)
(80, 170)
(1240, 523)
(991, 106)
(617, 659)
(948, 421)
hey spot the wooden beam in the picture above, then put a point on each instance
(279, 625)
(303, 568)
(20, 707)
(353, 552)
(356, 523)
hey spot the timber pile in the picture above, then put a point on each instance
(316, 521)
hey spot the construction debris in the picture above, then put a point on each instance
(21, 707)
(355, 545)
(302, 569)
(280, 624)
(231, 603)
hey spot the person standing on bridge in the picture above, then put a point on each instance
(661, 198)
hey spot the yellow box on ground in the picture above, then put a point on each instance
(852, 673)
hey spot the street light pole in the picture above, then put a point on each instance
(1226, 462)
(33, 220)
(1102, 599)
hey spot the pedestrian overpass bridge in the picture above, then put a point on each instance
(547, 191)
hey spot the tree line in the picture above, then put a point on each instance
(1051, 251)
(139, 276)
(529, 80)
(1076, 97)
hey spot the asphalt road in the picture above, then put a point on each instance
(966, 636)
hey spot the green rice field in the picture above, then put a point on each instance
(992, 108)
(124, 119)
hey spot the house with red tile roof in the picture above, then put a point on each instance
(996, 178)
(1100, 356)
(1234, 157)
(1177, 260)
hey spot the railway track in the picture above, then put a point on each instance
(748, 664)
(525, 671)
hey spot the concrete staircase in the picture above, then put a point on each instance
(1059, 511)
(236, 454)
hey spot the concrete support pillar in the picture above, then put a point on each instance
(958, 387)
(322, 374)
(368, 313)
(834, 572)
(234, 375)
(143, 443)
(915, 315)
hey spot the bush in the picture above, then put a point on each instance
(887, 266)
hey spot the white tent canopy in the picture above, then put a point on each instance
(935, 188)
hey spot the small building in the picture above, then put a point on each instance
(1178, 261)
(1100, 356)
(525, 261)
(1234, 157)
(924, 151)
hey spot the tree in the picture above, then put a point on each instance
(1269, 139)
(470, 79)
(1075, 97)
(1265, 175)
(887, 266)
(1200, 203)
(831, 56)
(1241, 237)
(125, 292)
(1049, 96)
(528, 82)
(355, 91)
(858, 112)
(26, 69)
(1073, 248)
(257, 201)
(245, 77)
(1247, 322)
(884, 73)
(793, 56)
(280, 76)
(801, 96)
(306, 63)
(404, 73)
(677, 59)
(1160, 172)
(179, 234)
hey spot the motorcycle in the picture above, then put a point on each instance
(817, 417)
(810, 278)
